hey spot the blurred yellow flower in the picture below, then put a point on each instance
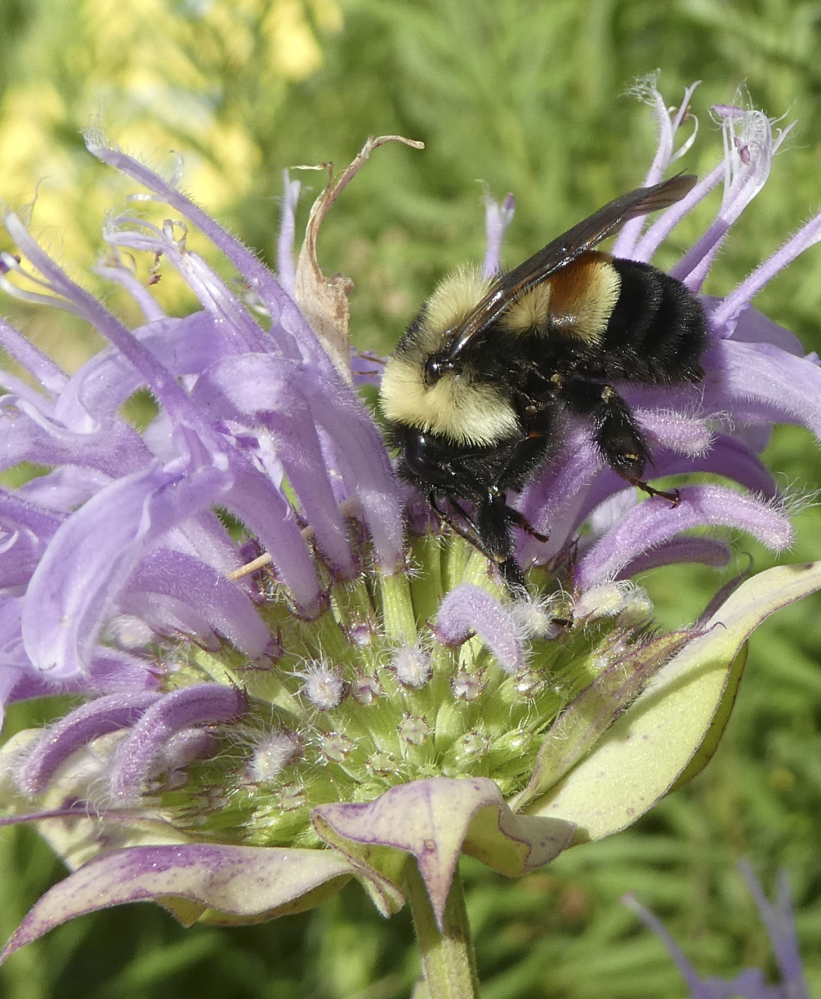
(162, 78)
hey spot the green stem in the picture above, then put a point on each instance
(448, 960)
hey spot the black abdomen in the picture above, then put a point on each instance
(657, 331)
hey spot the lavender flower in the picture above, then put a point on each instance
(280, 695)
(749, 983)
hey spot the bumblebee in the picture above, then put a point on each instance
(478, 390)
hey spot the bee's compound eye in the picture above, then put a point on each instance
(433, 370)
(436, 366)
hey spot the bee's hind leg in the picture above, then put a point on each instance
(674, 496)
(619, 438)
(519, 520)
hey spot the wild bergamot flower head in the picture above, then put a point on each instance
(290, 675)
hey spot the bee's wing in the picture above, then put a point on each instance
(561, 251)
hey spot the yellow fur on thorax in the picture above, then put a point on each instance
(464, 411)
(452, 302)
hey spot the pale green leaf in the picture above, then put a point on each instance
(643, 754)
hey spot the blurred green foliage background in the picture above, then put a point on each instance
(527, 96)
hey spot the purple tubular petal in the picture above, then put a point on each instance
(26, 435)
(12, 650)
(660, 230)
(269, 515)
(654, 521)
(497, 218)
(204, 536)
(707, 551)
(96, 392)
(77, 729)
(169, 393)
(469, 610)
(19, 554)
(212, 597)
(238, 326)
(260, 388)
(64, 489)
(223, 305)
(256, 273)
(759, 383)
(361, 453)
(728, 457)
(684, 434)
(93, 555)
(745, 178)
(566, 493)
(185, 346)
(111, 672)
(149, 305)
(666, 128)
(9, 677)
(285, 243)
(627, 238)
(163, 615)
(25, 530)
(752, 326)
(366, 471)
(551, 502)
(47, 373)
(780, 923)
(688, 972)
(729, 310)
(18, 388)
(668, 125)
(607, 502)
(203, 704)
(25, 515)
